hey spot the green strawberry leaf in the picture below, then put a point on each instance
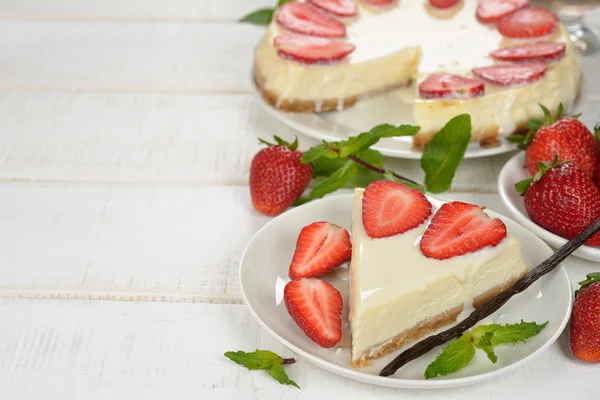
(515, 333)
(259, 359)
(559, 112)
(445, 152)
(335, 181)
(516, 138)
(260, 17)
(523, 185)
(597, 132)
(453, 358)
(591, 278)
(548, 120)
(278, 373)
(534, 124)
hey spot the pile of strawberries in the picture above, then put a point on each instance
(564, 194)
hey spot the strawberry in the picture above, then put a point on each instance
(528, 23)
(585, 320)
(512, 74)
(342, 8)
(316, 307)
(311, 50)
(321, 247)
(390, 208)
(277, 177)
(443, 3)
(450, 87)
(492, 11)
(544, 50)
(566, 138)
(459, 228)
(307, 19)
(562, 199)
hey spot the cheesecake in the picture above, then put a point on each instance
(325, 55)
(407, 285)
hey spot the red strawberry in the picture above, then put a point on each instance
(390, 208)
(563, 199)
(321, 247)
(379, 2)
(443, 3)
(528, 23)
(450, 86)
(277, 177)
(512, 74)
(459, 228)
(311, 50)
(537, 51)
(342, 8)
(316, 307)
(566, 138)
(585, 320)
(492, 11)
(307, 19)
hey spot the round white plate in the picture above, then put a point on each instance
(264, 274)
(513, 172)
(394, 108)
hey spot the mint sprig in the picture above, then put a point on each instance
(459, 353)
(264, 359)
(263, 16)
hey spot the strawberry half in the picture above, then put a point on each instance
(512, 74)
(316, 307)
(321, 247)
(307, 19)
(459, 228)
(492, 11)
(538, 51)
(311, 50)
(390, 208)
(450, 87)
(443, 3)
(528, 23)
(342, 8)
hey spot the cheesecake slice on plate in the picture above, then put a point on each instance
(417, 263)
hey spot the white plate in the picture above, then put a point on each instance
(513, 172)
(264, 273)
(393, 108)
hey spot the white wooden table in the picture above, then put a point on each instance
(126, 132)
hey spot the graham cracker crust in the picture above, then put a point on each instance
(427, 327)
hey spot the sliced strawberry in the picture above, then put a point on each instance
(443, 3)
(390, 208)
(492, 11)
(528, 23)
(321, 247)
(316, 307)
(450, 86)
(342, 8)
(311, 50)
(459, 228)
(379, 2)
(512, 74)
(305, 18)
(538, 51)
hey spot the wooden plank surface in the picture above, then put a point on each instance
(54, 349)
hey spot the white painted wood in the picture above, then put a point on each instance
(97, 350)
(158, 10)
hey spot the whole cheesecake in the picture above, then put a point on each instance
(496, 60)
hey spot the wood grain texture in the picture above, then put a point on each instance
(54, 349)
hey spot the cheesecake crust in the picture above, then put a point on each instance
(428, 326)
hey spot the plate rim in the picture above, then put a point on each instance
(357, 375)
(588, 253)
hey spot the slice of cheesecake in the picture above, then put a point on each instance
(397, 293)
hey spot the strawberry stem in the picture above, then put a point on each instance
(380, 170)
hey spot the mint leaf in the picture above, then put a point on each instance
(335, 181)
(278, 373)
(485, 343)
(259, 17)
(324, 150)
(373, 157)
(453, 358)
(260, 359)
(515, 333)
(282, 2)
(327, 166)
(445, 152)
(367, 139)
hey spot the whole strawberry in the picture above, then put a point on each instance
(277, 177)
(566, 138)
(563, 199)
(585, 320)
